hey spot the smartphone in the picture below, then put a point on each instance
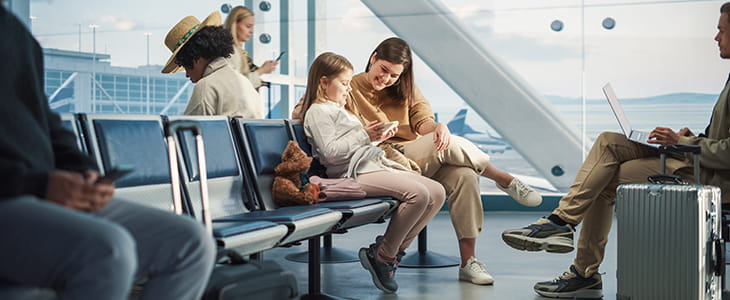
(389, 125)
(280, 55)
(114, 174)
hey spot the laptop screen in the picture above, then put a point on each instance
(623, 121)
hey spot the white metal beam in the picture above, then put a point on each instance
(174, 98)
(496, 92)
(65, 83)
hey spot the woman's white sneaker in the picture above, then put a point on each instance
(474, 272)
(522, 193)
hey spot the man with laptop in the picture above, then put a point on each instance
(618, 159)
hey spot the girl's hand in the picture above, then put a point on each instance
(376, 133)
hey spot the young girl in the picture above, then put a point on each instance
(201, 48)
(347, 149)
(240, 23)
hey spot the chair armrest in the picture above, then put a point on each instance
(680, 148)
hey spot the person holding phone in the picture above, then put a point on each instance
(64, 231)
(240, 22)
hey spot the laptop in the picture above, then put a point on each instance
(633, 135)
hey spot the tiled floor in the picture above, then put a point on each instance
(515, 271)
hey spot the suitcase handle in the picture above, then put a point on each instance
(180, 125)
(694, 149)
(666, 179)
(172, 138)
(719, 266)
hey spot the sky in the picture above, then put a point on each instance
(656, 47)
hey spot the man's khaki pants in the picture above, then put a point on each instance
(612, 161)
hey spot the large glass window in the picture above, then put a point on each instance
(658, 55)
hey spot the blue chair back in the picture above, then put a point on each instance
(297, 130)
(137, 142)
(264, 141)
(228, 192)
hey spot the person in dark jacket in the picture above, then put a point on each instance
(61, 229)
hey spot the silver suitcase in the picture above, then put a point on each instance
(669, 242)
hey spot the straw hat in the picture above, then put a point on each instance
(181, 34)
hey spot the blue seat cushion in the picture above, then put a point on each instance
(349, 204)
(221, 230)
(287, 214)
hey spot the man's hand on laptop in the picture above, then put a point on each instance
(664, 136)
(685, 132)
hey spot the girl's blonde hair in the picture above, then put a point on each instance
(327, 65)
(237, 14)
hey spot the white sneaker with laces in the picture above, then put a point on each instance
(522, 193)
(474, 272)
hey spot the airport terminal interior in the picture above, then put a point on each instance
(520, 79)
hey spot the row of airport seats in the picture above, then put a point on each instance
(240, 156)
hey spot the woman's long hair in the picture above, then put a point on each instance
(237, 14)
(397, 51)
(328, 65)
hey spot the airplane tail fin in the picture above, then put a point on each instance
(458, 125)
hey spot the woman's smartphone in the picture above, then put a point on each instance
(114, 174)
(280, 55)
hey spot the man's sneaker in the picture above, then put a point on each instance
(522, 193)
(474, 272)
(541, 235)
(381, 272)
(572, 285)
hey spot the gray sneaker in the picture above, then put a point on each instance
(382, 273)
(541, 235)
(398, 256)
(571, 285)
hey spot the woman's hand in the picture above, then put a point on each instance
(268, 67)
(441, 136)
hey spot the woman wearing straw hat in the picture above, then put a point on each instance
(201, 49)
(240, 23)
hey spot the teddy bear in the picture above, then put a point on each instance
(291, 186)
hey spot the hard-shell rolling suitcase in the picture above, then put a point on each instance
(237, 278)
(669, 240)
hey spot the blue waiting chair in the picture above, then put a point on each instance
(138, 142)
(229, 192)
